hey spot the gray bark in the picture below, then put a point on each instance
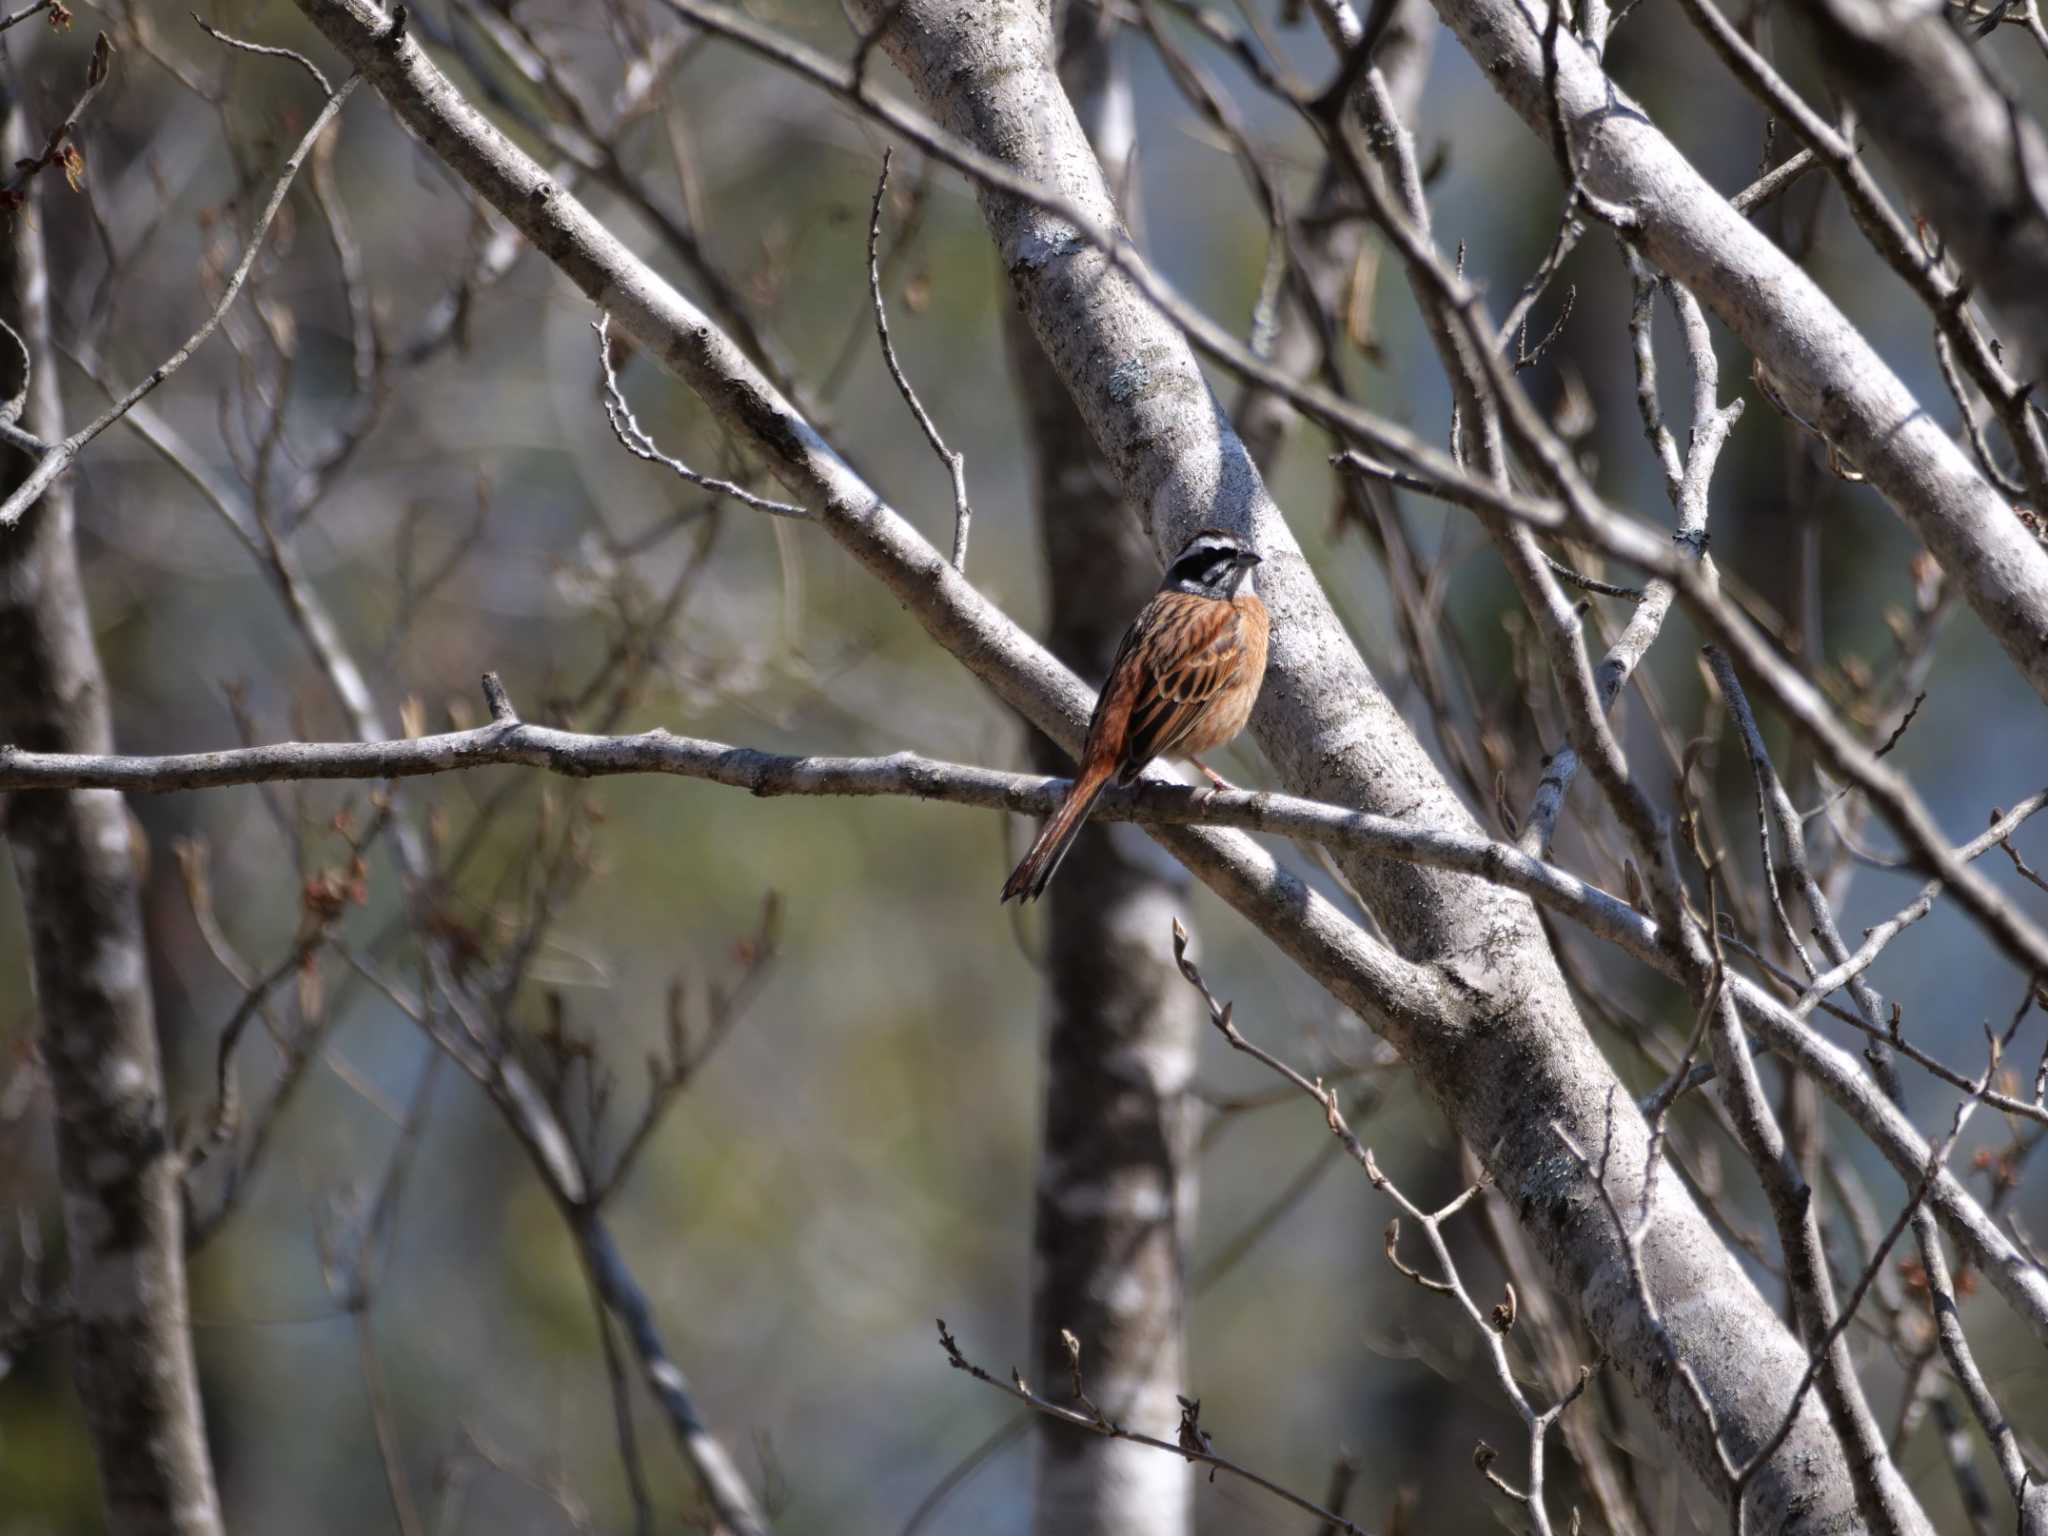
(1362, 973)
(76, 870)
(1973, 162)
(1510, 1059)
(1117, 1174)
(1330, 254)
(1483, 1014)
(1821, 363)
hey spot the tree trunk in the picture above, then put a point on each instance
(1475, 1001)
(1116, 1183)
(1510, 1062)
(73, 861)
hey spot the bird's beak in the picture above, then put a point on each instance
(1246, 557)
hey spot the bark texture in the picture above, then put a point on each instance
(1510, 1061)
(1819, 361)
(1973, 162)
(1117, 1174)
(74, 864)
(1484, 1016)
(1360, 972)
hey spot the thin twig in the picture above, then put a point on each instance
(1494, 1329)
(636, 441)
(1819, 1351)
(1875, 939)
(265, 50)
(59, 147)
(1773, 181)
(1594, 584)
(956, 463)
(27, 12)
(59, 457)
(1192, 1443)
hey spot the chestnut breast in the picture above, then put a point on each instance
(1228, 711)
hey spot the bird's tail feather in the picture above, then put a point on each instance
(1030, 878)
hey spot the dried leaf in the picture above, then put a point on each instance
(1503, 1317)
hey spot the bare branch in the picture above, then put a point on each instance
(1973, 159)
(59, 456)
(1779, 178)
(1687, 479)
(265, 50)
(1828, 1341)
(481, 1051)
(59, 146)
(1493, 1331)
(636, 441)
(1827, 370)
(956, 463)
(1894, 240)
(1191, 1442)
(2003, 824)
(61, 16)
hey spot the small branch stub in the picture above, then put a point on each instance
(502, 712)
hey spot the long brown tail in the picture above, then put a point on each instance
(1030, 878)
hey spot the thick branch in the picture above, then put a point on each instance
(1118, 1180)
(1820, 362)
(1359, 972)
(1515, 1054)
(1973, 161)
(1513, 1038)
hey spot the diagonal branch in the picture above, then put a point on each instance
(1973, 160)
(1486, 1020)
(1822, 364)
(1357, 970)
(956, 463)
(1062, 234)
(1905, 249)
(481, 1051)
(59, 456)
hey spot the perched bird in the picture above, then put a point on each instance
(1183, 682)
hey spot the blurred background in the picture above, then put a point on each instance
(857, 1156)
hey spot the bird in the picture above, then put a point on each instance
(1183, 682)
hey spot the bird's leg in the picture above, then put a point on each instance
(1216, 780)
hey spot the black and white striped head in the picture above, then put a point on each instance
(1212, 564)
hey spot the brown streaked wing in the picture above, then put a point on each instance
(1190, 652)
